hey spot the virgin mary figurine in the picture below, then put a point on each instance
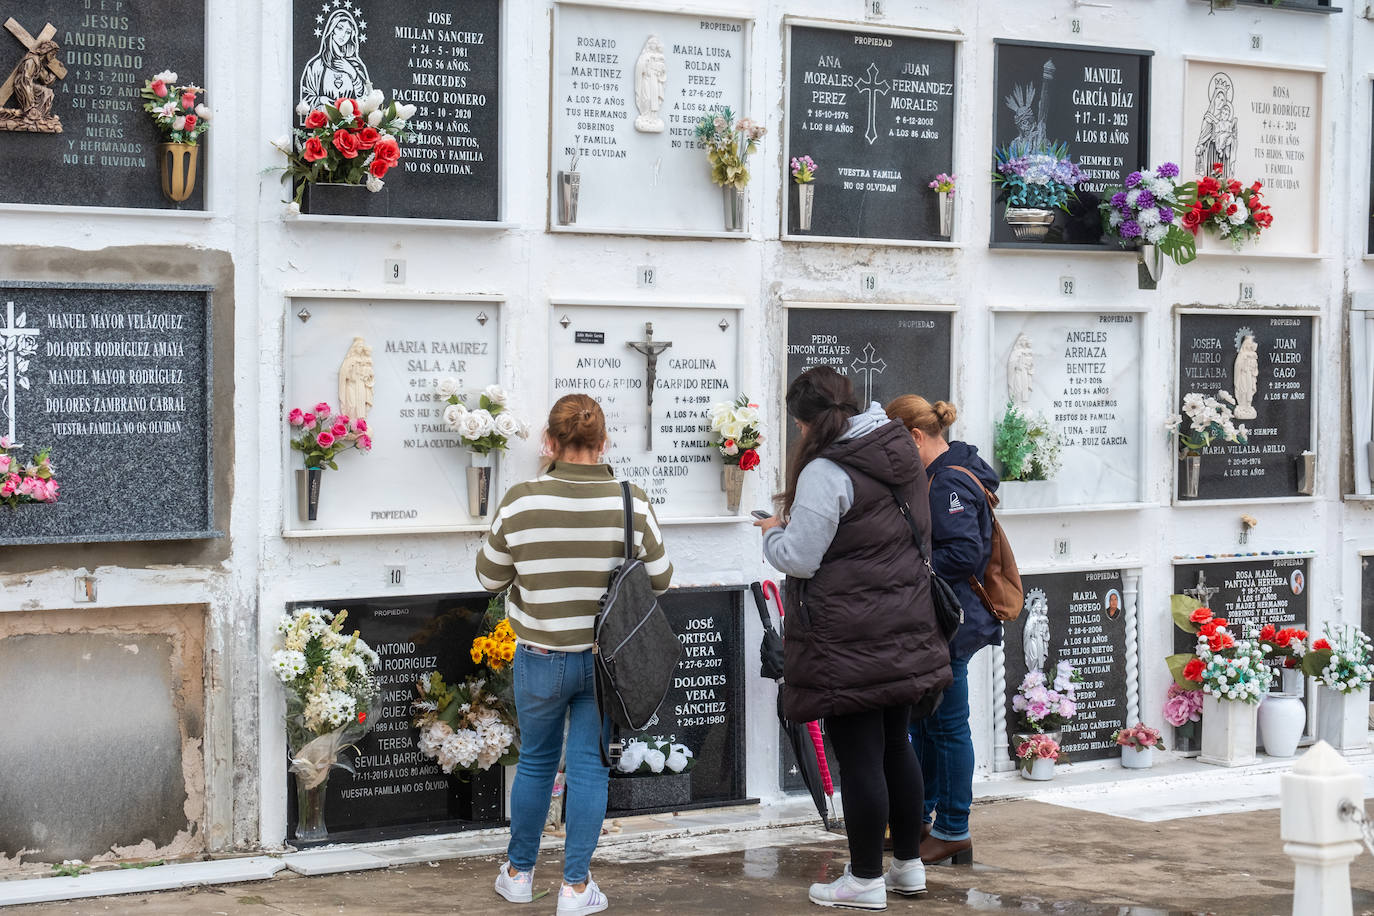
(336, 72)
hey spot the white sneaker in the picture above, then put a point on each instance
(851, 892)
(519, 889)
(591, 900)
(906, 876)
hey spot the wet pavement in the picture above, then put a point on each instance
(1031, 857)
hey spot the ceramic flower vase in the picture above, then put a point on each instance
(1306, 464)
(1029, 224)
(1041, 770)
(1149, 266)
(1282, 717)
(946, 213)
(569, 184)
(1137, 758)
(806, 193)
(1294, 682)
(1343, 719)
(479, 485)
(732, 482)
(310, 827)
(736, 208)
(1228, 732)
(177, 162)
(1192, 475)
(308, 483)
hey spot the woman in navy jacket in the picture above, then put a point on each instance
(961, 530)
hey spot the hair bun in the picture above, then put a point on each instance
(946, 413)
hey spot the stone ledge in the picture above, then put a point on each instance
(138, 880)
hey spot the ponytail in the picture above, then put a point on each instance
(823, 400)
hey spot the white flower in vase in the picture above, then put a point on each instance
(454, 415)
(167, 76)
(507, 425)
(448, 387)
(375, 184)
(473, 424)
(496, 394)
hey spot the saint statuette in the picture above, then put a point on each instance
(29, 81)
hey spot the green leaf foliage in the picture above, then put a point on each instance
(1181, 608)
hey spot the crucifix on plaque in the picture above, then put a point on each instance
(874, 87)
(17, 343)
(1201, 592)
(651, 349)
(868, 367)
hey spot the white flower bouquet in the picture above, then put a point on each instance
(653, 757)
(1209, 420)
(465, 727)
(489, 427)
(735, 431)
(329, 686)
(1027, 445)
(1342, 661)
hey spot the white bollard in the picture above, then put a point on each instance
(1320, 842)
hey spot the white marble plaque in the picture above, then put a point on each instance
(1262, 124)
(590, 353)
(1082, 372)
(415, 477)
(628, 88)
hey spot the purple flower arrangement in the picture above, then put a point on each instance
(1148, 211)
(1041, 179)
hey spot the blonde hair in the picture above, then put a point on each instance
(916, 412)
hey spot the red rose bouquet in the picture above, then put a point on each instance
(735, 429)
(1222, 666)
(353, 141)
(1227, 208)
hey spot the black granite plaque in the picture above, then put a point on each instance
(1077, 617)
(886, 352)
(395, 785)
(441, 56)
(106, 155)
(704, 708)
(116, 381)
(1247, 591)
(876, 113)
(1095, 100)
(1209, 347)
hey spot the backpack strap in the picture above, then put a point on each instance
(629, 520)
(992, 501)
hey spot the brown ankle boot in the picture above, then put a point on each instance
(935, 851)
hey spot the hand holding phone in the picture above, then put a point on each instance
(761, 514)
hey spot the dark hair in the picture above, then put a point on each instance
(576, 423)
(823, 400)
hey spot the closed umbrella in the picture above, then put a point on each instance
(807, 745)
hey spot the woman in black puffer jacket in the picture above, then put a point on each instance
(862, 645)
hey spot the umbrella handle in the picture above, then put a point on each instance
(818, 741)
(767, 586)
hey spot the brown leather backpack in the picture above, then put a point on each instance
(1000, 591)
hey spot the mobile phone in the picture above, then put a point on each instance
(761, 513)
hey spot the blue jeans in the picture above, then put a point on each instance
(550, 688)
(944, 744)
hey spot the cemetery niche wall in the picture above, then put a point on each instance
(875, 111)
(396, 790)
(115, 380)
(1094, 100)
(704, 709)
(95, 146)
(1086, 618)
(1076, 377)
(1264, 360)
(876, 345)
(1261, 124)
(443, 59)
(655, 370)
(628, 89)
(386, 361)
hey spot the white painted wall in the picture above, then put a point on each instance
(251, 86)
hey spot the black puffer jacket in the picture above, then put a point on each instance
(861, 633)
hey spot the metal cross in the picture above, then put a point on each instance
(29, 42)
(1201, 592)
(874, 87)
(651, 349)
(868, 367)
(11, 336)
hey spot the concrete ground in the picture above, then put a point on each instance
(1031, 856)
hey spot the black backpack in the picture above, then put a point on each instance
(635, 649)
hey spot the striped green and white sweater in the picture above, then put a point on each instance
(558, 538)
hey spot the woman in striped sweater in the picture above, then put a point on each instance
(557, 539)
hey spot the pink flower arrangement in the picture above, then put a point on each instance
(320, 443)
(1140, 736)
(1046, 705)
(1039, 747)
(1182, 706)
(35, 482)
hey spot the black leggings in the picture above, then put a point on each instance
(882, 785)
